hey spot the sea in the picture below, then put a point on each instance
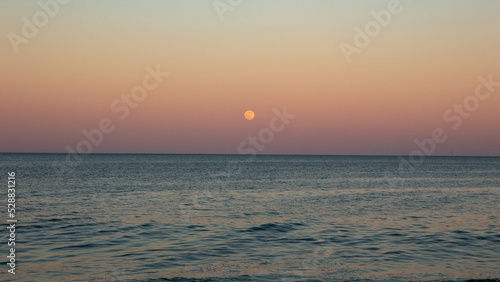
(165, 217)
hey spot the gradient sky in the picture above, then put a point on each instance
(264, 55)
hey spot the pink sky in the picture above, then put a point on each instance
(261, 57)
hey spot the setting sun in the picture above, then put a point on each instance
(249, 115)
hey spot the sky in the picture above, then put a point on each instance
(411, 73)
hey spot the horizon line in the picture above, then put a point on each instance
(227, 154)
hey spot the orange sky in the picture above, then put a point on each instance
(261, 56)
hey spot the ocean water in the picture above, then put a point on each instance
(273, 218)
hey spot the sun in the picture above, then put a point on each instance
(249, 115)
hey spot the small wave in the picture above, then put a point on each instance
(274, 227)
(180, 279)
(82, 246)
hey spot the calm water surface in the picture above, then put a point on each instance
(276, 218)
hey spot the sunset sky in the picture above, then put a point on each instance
(263, 55)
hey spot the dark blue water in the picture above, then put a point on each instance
(274, 218)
